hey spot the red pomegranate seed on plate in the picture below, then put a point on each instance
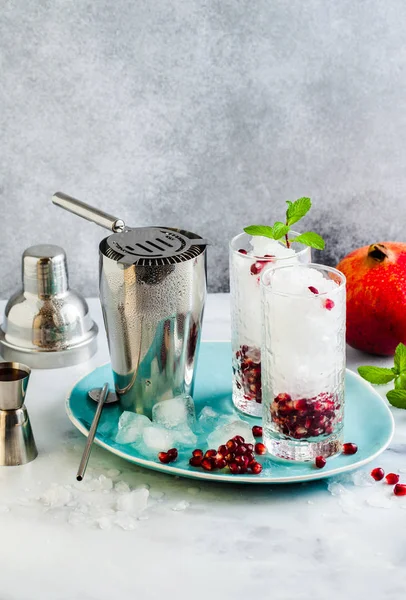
(256, 468)
(210, 453)
(350, 448)
(260, 448)
(196, 461)
(378, 474)
(238, 439)
(234, 468)
(320, 462)
(242, 449)
(173, 453)
(197, 452)
(399, 489)
(164, 457)
(257, 431)
(220, 463)
(392, 478)
(223, 450)
(207, 464)
(231, 445)
(313, 289)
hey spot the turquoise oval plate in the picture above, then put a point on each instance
(368, 422)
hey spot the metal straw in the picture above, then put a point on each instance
(92, 433)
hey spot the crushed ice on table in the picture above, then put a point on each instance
(223, 433)
(56, 496)
(121, 487)
(130, 427)
(362, 479)
(134, 502)
(175, 412)
(182, 505)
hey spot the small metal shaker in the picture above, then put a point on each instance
(17, 444)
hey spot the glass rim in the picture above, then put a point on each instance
(266, 286)
(261, 256)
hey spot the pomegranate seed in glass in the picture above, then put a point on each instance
(303, 361)
(249, 256)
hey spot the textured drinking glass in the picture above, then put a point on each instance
(303, 360)
(246, 330)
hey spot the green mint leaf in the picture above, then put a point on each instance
(263, 230)
(376, 375)
(297, 210)
(397, 398)
(279, 230)
(400, 358)
(314, 240)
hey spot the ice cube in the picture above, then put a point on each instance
(104, 523)
(175, 412)
(209, 419)
(379, 501)
(113, 472)
(263, 245)
(158, 439)
(225, 432)
(56, 496)
(130, 427)
(182, 505)
(184, 436)
(134, 503)
(125, 521)
(362, 479)
(122, 487)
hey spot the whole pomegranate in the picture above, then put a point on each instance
(376, 297)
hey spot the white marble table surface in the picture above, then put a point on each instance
(280, 542)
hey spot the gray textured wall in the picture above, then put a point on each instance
(202, 114)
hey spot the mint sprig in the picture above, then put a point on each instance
(381, 375)
(295, 211)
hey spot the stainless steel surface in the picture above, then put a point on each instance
(152, 292)
(47, 325)
(92, 432)
(12, 391)
(95, 395)
(17, 444)
(81, 209)
(153, 316)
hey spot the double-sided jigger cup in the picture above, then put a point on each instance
(17, 444)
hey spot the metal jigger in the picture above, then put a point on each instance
(17, 444)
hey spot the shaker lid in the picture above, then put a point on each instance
(45, 270)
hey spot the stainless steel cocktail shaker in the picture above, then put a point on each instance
(152, 292)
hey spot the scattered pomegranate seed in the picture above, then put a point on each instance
(238, 439)
(350, 448)
(164, 457)
(256, 468)
(260, 448)
(195, 461)
(313, 289)
(399, 489)
(210, 453)
(250, 447)
(173, 453)
(242, 251)
(242, 449)
(197, 452)
(257, 431)
(220, 463)
(378, 474)
(392, 478)
(320, 462)
(328, 304)
(207, 464)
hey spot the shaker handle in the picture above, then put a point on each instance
(77, 207)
